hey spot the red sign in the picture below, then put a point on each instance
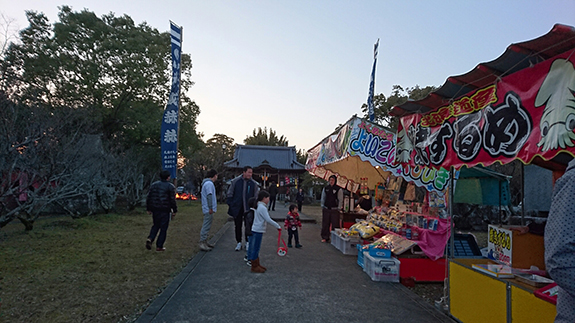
(526, 114)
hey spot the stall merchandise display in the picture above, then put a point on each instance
(365, 229)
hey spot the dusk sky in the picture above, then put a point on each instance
(302, 68)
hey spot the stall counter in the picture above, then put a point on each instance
(477, 297)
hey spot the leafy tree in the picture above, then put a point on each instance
(301, 156)
(262, 138)
(383, 105)
(213, 154)
(120, 71)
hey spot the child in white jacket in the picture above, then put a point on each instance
(261, 217)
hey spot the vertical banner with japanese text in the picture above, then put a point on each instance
(370, 108)
(170, 122)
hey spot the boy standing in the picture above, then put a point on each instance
(292, 223)
(209, 207)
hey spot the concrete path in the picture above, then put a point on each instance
(316, 283)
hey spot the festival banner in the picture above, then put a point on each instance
(361, 149)
(526, 114)
(370, 108)
(170, 120)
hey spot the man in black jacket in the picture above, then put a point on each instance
(161, 202)
(241, 189)
(331, 206)
(273, 190)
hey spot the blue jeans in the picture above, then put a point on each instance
(161, 223)
(208, 218)
(255, 244)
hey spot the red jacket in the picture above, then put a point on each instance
(292, 220)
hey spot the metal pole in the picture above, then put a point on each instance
(522, 194)
(450, 205)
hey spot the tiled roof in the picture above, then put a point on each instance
(278, 157)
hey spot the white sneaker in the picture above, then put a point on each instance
(239, 246)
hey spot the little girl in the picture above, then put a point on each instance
(292, 223)
(261, 216)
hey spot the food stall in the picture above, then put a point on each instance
(518, 106)
(362, 155)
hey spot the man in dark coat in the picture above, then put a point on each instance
(241, 189)
(161, 203)
(273, 190)
(331, 206)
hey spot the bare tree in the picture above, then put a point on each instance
(42, 160)
(8, 33)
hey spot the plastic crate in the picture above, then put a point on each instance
(335, 240)
(360, 256)
(465, 246)
(379, 253)
(381, 269)
(346, 245)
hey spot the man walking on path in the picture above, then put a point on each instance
(242, 188)
(209, 207)
(331, 204)
(161, 202)
(273, 190)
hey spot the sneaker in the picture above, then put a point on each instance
(323, 240)
(209, 244)
(246, 258)
(204, 246)
(239, 246)
(160, 249)
(149, 244)
(298, 245)
(249, 263)
(289, 245)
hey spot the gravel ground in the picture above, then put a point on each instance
(432, 292)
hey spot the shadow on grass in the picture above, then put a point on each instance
(94, 268)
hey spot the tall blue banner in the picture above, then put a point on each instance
(372, 84)
(170, 122)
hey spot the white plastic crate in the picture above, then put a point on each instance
(381, 269)
(335, 241)
(348, 246)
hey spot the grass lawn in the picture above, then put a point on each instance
(94, 268)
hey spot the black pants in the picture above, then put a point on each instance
(161, 223)
(272, 204)
(299, 203)
(329, 221)
(293, 233)
(240, 220)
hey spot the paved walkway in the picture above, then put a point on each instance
(316, 283)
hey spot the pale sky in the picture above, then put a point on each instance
(302, 68)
